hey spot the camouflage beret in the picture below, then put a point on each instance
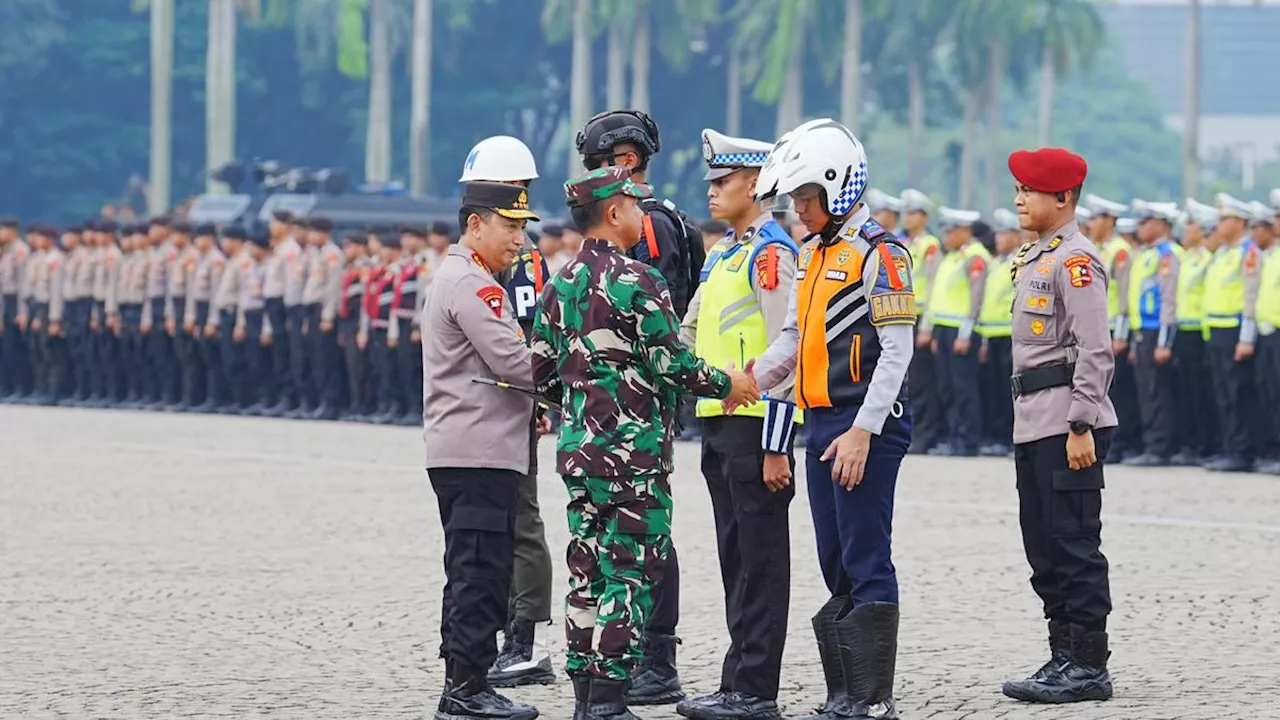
(602, 184)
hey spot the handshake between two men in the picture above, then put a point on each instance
(743, 390)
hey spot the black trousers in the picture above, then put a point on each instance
(107, 383)
(230, 359)
(298, 365)
(180, 350)
(133, 357)
(1236, 393)
(1060, 513)
(1196, 412)
(1268, 362)
(255, 360)
(79, 348)
(922, 386)
(326, 365)
(477, 512)
(159, 349)
(15, 374)
(195, 382)
(387, 370)
(1124, 395)
(358, 400)
(409, 367)
(281, 377)
(1157, 397)
(753, 538)
(997, 401)
(957, 377)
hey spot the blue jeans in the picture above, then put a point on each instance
(854, 527)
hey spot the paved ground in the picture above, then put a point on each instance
(180, 566)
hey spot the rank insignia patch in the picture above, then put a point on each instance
(491, 296)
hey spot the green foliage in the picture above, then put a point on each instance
(353, 48)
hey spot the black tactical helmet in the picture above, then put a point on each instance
(609, 128)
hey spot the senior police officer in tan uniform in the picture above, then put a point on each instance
(1063, 424)
(477, 440)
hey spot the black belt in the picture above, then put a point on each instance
(1033, 381)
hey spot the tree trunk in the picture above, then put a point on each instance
(851, 66)
(1048, 78)
(616, 66)
(420, 112)
(377, 144)
(158, 192)
(997, 71)
(733, 104)
(580, 81)
(641, 58)
(1191, 105)
(220, 89)
(969, 147)
(915, 121)
(791, 102)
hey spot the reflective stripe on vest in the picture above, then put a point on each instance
(731, 326)
(920, 249)
(996, 318)
(1109, 251)
(1224, 286)
(1191, 271)
(1145, 298)
(950, 304)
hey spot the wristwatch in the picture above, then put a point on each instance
(1079, 427)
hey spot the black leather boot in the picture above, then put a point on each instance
(581, 695)
(1081, 676)
(1059, 653)
(607, 700)
(655, 680)
(467, 696)
(868, 643)
(523, 660)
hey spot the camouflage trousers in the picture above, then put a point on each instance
(620, 534)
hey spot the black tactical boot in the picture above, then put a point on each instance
(731, 705)
(467, 696)
(581, 695)
(1081, 675)
(868, 643)
(655, 680)
(1059, 654)
(523, 660)
(824, 631)
(607, 700)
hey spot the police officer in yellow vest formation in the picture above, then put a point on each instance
(737, 311)
(995, 326)
(885, 209)
(1153, 283)
(1230, 279)
(1062, 427)
(928, 415)
(1116, 253)
(956, 290)
(1264, 307)
(1197, 413)
(1268, 316)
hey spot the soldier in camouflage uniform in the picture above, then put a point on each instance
(606, 344)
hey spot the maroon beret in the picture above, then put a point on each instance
(1048, 170)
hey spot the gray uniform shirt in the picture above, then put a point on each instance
(285, 272)
(773, 302)
(469, 329)
(253, 276)
(54, 278)
(81, 268)
(181, 268)
(112, 262)
(13, 266)
(204, 281)
(1060, 316)
(324, 280)
(228, 292)
(133, 278)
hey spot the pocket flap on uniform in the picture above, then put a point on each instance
(1039, 304)
(1075, 480)
(480, 518)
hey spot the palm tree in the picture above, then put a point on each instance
(1072, 35)
(851, 65)
(682, 34)
(779, 27)
(377, 144)
(158, 186)
(420, 94)
(220, 89)
(576, 14)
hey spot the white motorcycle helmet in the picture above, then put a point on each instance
(500, 158)
(820, 152)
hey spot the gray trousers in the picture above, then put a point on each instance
(531, 578)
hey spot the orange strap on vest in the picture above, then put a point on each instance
(650, 237)
(886, 259)
(536, 258)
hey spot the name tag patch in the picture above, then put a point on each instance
(838, 275)
(1043, 286)
(893, 308)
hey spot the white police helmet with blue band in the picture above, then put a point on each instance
(724, 154)
(820, 152)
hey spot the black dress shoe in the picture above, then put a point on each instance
(731, 706)
(1228, 463)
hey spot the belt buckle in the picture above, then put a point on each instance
(1015, 384)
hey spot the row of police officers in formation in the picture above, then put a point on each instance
(1194, 306)
(770, 332)
(286, 320)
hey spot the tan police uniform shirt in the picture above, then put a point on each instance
(469, 330)
(1060, 316)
